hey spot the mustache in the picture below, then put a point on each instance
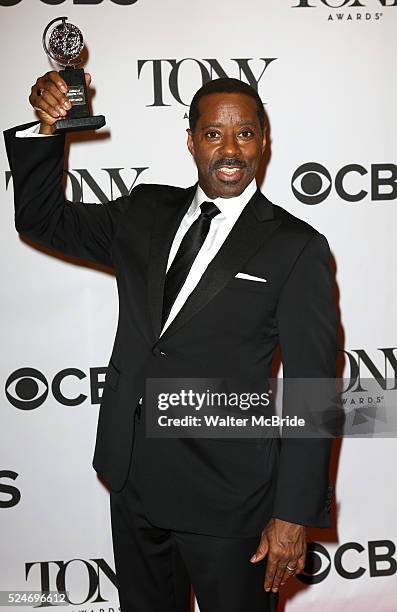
(228, 161)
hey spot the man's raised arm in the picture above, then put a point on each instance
(42, 212)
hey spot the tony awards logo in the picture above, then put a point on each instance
(64, 45)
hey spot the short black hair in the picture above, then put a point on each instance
(225, 85)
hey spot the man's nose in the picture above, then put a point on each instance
(231, 146)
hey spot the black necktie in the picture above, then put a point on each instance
(186, 254)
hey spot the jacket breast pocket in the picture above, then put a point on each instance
(112, 376)
(244, 284)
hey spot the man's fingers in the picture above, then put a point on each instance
(300, 564)
(278, 576)
(46, 90)
(48, 98)
(53, 77)
(287, 574)
(258, 556)
(51, 105)
(53, 90)
(271, 569)
(40, 104)
(261, 551)
(287, 551)
(44, 109)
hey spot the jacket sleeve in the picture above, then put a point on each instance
(42, 212)
(308, 328)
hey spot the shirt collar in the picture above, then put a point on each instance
(229, 207)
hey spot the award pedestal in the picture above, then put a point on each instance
(78, 117)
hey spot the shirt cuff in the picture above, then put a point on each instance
(32, 131)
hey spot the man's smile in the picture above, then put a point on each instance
(229, 170)
(229, 173)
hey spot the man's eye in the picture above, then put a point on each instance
(212, 134)
(247, 133)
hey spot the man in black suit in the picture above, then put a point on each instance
(211, 279)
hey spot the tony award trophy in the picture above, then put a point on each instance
(64, 44)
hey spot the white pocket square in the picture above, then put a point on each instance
(250, 277)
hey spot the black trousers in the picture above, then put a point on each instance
(155, 566)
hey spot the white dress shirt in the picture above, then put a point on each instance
(220, 227)
(32, 131)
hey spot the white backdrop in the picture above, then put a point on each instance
(330, 93)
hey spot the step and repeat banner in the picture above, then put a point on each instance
(325, 70)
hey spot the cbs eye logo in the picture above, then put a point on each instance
(378, 556)
(26, 389)
(317, 566)
(311, 183)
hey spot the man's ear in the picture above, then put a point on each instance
(190, 144)
(264, 141)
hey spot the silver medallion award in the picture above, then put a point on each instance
(64, 45)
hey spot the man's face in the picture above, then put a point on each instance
(227, 143)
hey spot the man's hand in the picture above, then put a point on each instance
(48, 98)
(285, 546)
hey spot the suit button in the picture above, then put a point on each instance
(157, 352)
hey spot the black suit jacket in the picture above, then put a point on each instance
(228, 327)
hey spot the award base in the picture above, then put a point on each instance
(80, 124)
(78, 118)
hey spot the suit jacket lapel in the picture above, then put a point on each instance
(255, 225)
(168, 217)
